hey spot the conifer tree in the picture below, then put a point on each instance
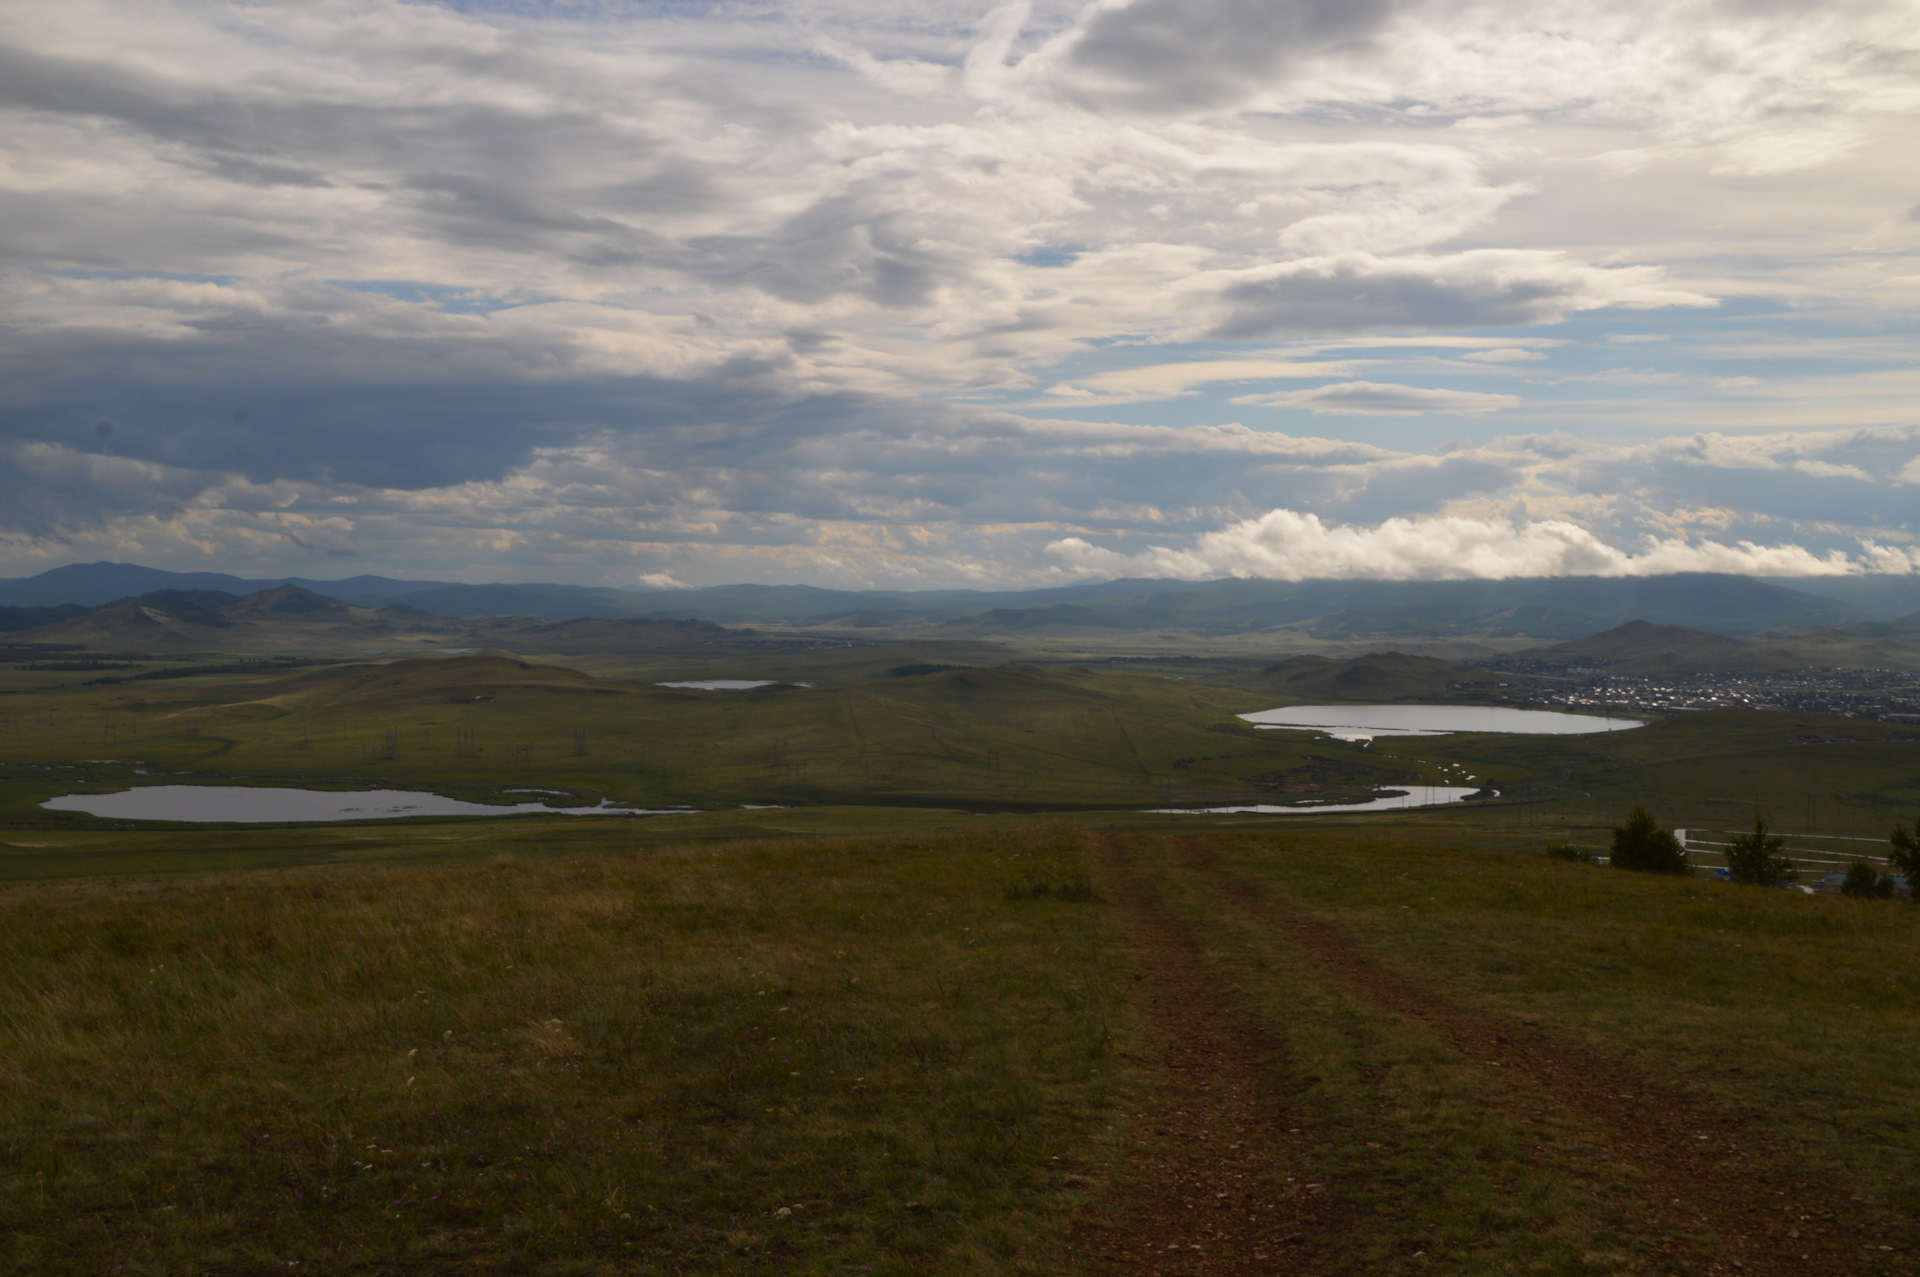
(1639, 843)
(1759, 858)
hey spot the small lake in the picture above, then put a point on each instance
(1414, 796)
(248, 805)
(730, 684)
(1364, 722)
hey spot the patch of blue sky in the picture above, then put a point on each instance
(453, 301)
(1594, 370)
(1050, 256)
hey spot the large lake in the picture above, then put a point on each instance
(248, 805)
(1363, 722)
(1414, 796)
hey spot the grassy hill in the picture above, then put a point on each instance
(597, 634)
(275, 619)
(1642, 648)
(290, 617)
(1004, 1049)
(1556, 607)
(1377, 676)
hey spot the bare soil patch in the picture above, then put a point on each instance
(1215, 1181)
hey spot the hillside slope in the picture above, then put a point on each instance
(1377, 676)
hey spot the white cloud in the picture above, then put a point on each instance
(1149, 382)
(502, 286)
(1353, 398)
(1477, 289)
(662, 581)
(1291, 546)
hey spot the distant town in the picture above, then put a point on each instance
(1889, 695)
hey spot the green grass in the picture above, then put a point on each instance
(1010, 738)
(1799, 1012)
(541, 1050)
(845, 1056)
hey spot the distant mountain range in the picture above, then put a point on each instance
(287, 617)
(1543, 608)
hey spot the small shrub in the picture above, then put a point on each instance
(1568, 851)
(1639, 843)
(1867, 883)
(1758, 858)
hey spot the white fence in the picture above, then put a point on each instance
(1816, 853)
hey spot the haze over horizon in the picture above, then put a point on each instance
(931, 294)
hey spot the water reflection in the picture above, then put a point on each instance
(1363, 722)
(1413, 796)
(244, 804)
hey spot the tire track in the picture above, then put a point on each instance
(1214, 1184)
(1701, 1167)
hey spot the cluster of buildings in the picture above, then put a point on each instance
(1889, 695)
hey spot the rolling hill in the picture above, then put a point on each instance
(283, 617)
(1546, 608)
(1377, 676)
(1642, 648)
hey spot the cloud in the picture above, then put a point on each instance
(1185, 54)
(1149, 382)
(1290, 546)
(852, 491)
(1479, 289)
(1369, 398)
(662, 581)
(616, 290)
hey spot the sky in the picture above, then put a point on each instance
(930, 294)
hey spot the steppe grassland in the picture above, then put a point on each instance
(1800, 1012)
(1007, 738)
(565, 1061)
(843, 1054)
(1008, 734)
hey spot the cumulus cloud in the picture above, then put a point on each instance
(1369, 398)
(630, 290)
(1287, 545)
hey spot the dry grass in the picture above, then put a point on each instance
(849, 1056)
(869, 1053)
(1796, 1012)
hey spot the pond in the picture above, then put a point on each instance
(1417, 796)
(246, 804)
(729, 684)
(1364, 722)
